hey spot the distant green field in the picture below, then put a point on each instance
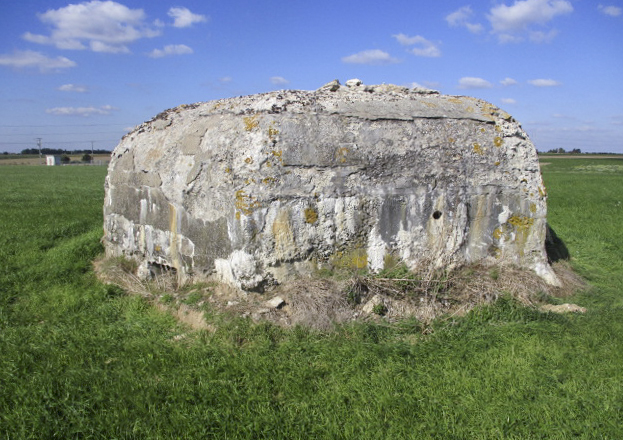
(82, 360)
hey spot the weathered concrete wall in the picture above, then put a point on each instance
(272, 186)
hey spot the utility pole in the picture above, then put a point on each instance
(92, 157)
(39, 145)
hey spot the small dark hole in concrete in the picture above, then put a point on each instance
(437, 215)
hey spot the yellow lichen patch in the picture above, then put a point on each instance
(268, 180)
(311, 215)
(497, 233)
(227, 170)
(278, 154)
(478, 149)
(497, 163)
(489, 111)
(248, 160)
(341, 154)
(532, 208)
(497, 141)
(451, 140)
(245, 204)
(498, 129)
(470, 109)
(521, 222)
(272, 132)
(482, 130)
(430, 104)
(251, 122)
(542, 191)
(354, 259)
(455, 100)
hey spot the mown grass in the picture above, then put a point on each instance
(82, 360)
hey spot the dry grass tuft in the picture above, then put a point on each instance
(321, 303)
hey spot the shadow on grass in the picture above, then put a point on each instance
(554, 247)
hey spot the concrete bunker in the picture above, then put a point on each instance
(265, 188)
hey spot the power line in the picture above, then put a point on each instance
(54, 134)
(60, 142)
(64, 125)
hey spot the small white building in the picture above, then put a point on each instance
(51, 160)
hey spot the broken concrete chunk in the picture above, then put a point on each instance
(275, 303)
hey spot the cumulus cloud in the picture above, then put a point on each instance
(32, 59)
(461, 18)
(508, 82)
(182, 17)
(425, 47)
(278, 80)
(225, 79)
(171, 49)
(544, 82)
(508, 101)
(72, 88)
(510, 23)
(612, 11)
(81, 111)
(372, 57)
(469, 82)
(101, 26)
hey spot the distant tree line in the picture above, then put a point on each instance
(562, 150)
(60, 151)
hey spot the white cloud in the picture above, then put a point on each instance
(81, 111)
(426, 48)
(182, 17)
(544, 82)
(171, 49)
(278, 80)
(510, 22)
(225, 79)
(469, 82)
(372, 57)
(508, 101)
(29, 58)
(73, 88)
(101, 26)
(508, 82)
(460, 17)
(612, 11)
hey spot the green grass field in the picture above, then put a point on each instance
(82, 360)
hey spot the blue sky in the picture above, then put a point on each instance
(72, 73)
